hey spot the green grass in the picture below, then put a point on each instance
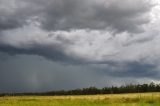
(143, 99)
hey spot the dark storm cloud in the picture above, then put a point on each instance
(54, 15)
(9, 17)
(66, 44)
(31, 73)
(9, 23)
(132, 70)
(126, 15)
(123, 15)
(17, 13)
(55, 54)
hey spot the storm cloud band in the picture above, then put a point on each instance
(113, 40)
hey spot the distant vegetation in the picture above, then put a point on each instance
(139, 88)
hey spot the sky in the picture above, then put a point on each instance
(50, 45)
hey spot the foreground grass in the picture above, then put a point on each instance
(143, 99)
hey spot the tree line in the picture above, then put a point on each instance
(131, 88)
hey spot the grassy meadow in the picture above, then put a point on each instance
(141, 99)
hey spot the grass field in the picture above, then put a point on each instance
(143, 99)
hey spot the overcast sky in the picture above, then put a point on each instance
(67, 44)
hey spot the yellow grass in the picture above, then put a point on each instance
(136, 99)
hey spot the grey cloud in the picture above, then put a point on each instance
(9, 23)
(32, 29)
(55, 54)
(32, 73)
(17, 13)
(126, 15)
(81, 46)
(130, 70)
(9, 18)
(76, 14)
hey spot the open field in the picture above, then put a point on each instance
(142, 99)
